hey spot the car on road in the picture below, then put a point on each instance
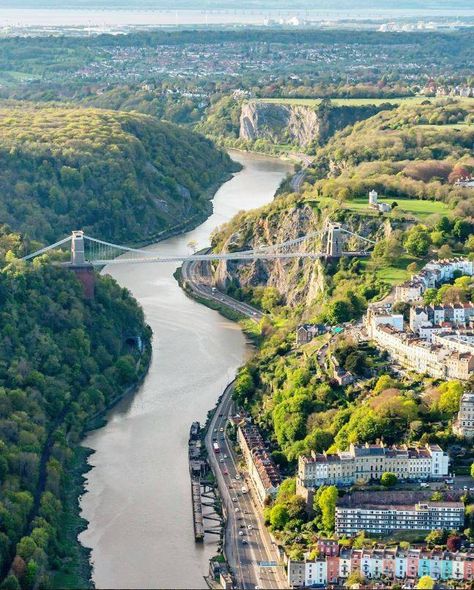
(221, 429)
(241, 533)
(237, 476)
(244, 542)
(234, 499)
(237, 509)
(249, 527)
(221, 460)
(225, 456)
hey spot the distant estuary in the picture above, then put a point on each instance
(137, 499)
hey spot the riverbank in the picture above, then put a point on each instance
(138, 492)
(78, 572)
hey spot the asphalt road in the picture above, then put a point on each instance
(241, 510)
(198, 278)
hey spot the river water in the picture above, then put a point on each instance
(137, 499)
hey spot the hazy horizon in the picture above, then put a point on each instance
(314, 5)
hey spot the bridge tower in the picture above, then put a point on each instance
(334, 240)
(78, 257)
(83, 269)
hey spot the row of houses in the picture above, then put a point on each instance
(433, 274)
(386, 564)
(263, 472)
(418, 351)
(363, 463)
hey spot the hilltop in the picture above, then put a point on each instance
(120, 176)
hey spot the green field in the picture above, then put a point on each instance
(396, 273)
(313, 102)
(416, 207)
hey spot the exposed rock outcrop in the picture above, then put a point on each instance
(279, 123)
(299, 125)
(299, 280)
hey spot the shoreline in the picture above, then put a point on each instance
(81, 567)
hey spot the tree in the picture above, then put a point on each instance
(355, 578)
(384, 382)
(412, 267)
(388, 479)
(338, 311)
(425, 583)
(10, 583)
(327, 504)
(279, 517)
(450, 398)
(453, 543)
(445, 252)
(192, 245)
(418, 241)
(435, 537)
(472, 469)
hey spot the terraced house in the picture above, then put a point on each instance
(386, 564)
(362, 463)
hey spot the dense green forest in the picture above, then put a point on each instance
(120, 176)
(63, 359)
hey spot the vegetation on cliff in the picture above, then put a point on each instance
(63, 359)
(414, 152)
(119, 176)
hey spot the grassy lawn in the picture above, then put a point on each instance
(416, 207)
(395, 273)
(312, 102)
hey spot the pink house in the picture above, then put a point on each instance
(412, 563)
(332, 563)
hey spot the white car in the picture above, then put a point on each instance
(237, 509)
(221, 460)
(237, 476)
(241, 534)
(249, 527)
(234, 499)
(221, 429)
(225, 456)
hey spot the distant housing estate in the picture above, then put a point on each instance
(362, 463)
(262, 470)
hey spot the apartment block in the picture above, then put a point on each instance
(385, 519)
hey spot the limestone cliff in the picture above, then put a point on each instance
(279, 123)
(300, 280)
(298, 125)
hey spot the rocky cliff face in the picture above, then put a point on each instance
(279, 123)
(299, 280)
(299, 125)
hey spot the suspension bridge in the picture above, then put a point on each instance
(330, 242)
